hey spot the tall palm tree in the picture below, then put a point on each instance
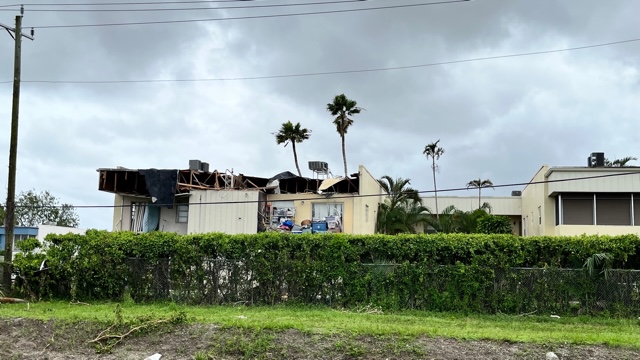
(619, 162)
(343, 109)
(479, 184)
(434, 152)
(290, 133)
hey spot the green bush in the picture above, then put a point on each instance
(494, 224)
(453, 272)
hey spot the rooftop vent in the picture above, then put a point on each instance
(516, 193)
(596, 159)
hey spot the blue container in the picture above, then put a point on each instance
(319, 226)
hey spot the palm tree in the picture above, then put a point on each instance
(447, 222)
(343, 109)
(619, 162)
(434, 152)
(403, 210)
(479, 184)
(293, 134)
(398, 191)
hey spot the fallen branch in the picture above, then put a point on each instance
(6, 300)
(79, 303)
(104, 336)
(529, 313)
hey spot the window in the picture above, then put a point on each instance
(577, 209)
(539, 215)
(182, 213)
(329, 212)
(524, 225)
(320, 211)
(281, 211)
(137, 216)
(18, 239)
(613, 209)
(636, 209)
(366, 213)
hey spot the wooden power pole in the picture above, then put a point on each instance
(9, 220)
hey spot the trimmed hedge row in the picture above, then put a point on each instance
(432, 272)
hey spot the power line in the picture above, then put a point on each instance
(129, 3)
(357, 195)
(327, 72)
(197, 8)
(248, 17)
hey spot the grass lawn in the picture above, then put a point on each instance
(322, 320)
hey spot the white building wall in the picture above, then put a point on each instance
(232, 218)
(500, 205)
(44, 230)
(168, 222)
(622, 183)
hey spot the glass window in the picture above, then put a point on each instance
(182, 213)
(19, 238)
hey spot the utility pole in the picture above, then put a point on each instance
(9, 220)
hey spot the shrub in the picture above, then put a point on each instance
(461, 272)
(494, 224)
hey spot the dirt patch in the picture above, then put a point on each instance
(54, 340)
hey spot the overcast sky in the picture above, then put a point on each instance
(497, 119)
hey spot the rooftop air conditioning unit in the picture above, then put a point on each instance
(195, 165)
(319, 166)
(516, 193)
(596, 159)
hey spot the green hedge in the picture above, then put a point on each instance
(454, 272)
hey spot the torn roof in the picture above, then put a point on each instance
(170, 182)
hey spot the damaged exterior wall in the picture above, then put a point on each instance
(232, 218)
(247, 196)
(304, 207)
(365, 209)
(122, 215)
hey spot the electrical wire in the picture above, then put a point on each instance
(247, 17)
(129, 3)
(333, 2)
(329, 196)
(327, 72)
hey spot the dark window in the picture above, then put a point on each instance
(636, 209)
(577, 209)
(613, 209)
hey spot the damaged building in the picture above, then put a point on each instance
(196, 200)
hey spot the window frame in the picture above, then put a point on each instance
(182, 215)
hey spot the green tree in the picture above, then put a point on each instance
(619, 162)
(33, 209)
(494, 224)
(479, 184)
(290, 133)
(434, 152)
(446, 222)
(467, 221)
(343, 109)
(398, 190)
(402, 211)
(453, 220)
(1, 215)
